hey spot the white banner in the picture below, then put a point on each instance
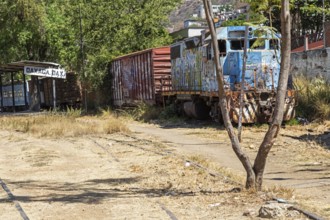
(45, 72)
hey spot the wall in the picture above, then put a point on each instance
(311, 63)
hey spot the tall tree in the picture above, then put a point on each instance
(81, 33)
(21, 30)
(255, 172)
(113, 28)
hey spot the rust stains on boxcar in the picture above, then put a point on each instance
(137, 77)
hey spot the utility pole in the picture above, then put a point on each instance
(82, 57)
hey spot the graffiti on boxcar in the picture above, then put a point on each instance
(186, 70)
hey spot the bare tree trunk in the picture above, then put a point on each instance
(250, 181)
(269, 139)
(255, 173)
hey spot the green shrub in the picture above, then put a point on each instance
(141, 112)
(292, 122)
(72, 112)
(169, 112)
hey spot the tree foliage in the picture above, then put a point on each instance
(306, 15)
(81, 35)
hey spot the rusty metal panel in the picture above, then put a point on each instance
(137, 77)
(187, 70)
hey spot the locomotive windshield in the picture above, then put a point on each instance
(253, 44)
(257, 44)
(237, 44)
(274, 44)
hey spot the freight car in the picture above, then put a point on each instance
(138, 76)
(194, 87)
(184, 74)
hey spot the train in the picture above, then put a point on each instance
(186, 77)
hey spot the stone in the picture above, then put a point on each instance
(273, 210)
(251, 146)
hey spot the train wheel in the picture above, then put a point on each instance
(198, 110)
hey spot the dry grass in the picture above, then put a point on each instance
(280, 192)
(65, 125)
(313, 99)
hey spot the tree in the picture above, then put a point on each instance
(35, 30)
(50, 30)
(255, 172)
(114, 28)
(21, 30)
(306, 15)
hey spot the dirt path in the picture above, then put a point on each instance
(108, 177)
(142, 175)
(292, 163)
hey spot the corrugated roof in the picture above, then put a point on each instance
(311, 46)
(19, 66)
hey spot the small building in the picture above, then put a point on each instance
(42, 85)
(187, 32)
(194, 23)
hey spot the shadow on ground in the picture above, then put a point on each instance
(323, 139)
(94, 191)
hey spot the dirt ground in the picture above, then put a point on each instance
(159, 172)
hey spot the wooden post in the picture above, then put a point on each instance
(306, 43)
(54, 93)
(25, 98)
(13, 90)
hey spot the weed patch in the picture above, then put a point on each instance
(63, 125)
(313, 98)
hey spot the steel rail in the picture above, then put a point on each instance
(12, 199)
(163, 207)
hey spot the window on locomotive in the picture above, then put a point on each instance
(190, 44)
(175, 52)
(257, 44)
(237, 44)
(222, 47)
(273, 44)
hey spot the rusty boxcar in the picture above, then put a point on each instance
(137, 77)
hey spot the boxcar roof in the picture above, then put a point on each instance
(140, 52)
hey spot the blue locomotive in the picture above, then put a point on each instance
(194, 86)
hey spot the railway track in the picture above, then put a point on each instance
(137, 142)
(170, 214)
(12, 199)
